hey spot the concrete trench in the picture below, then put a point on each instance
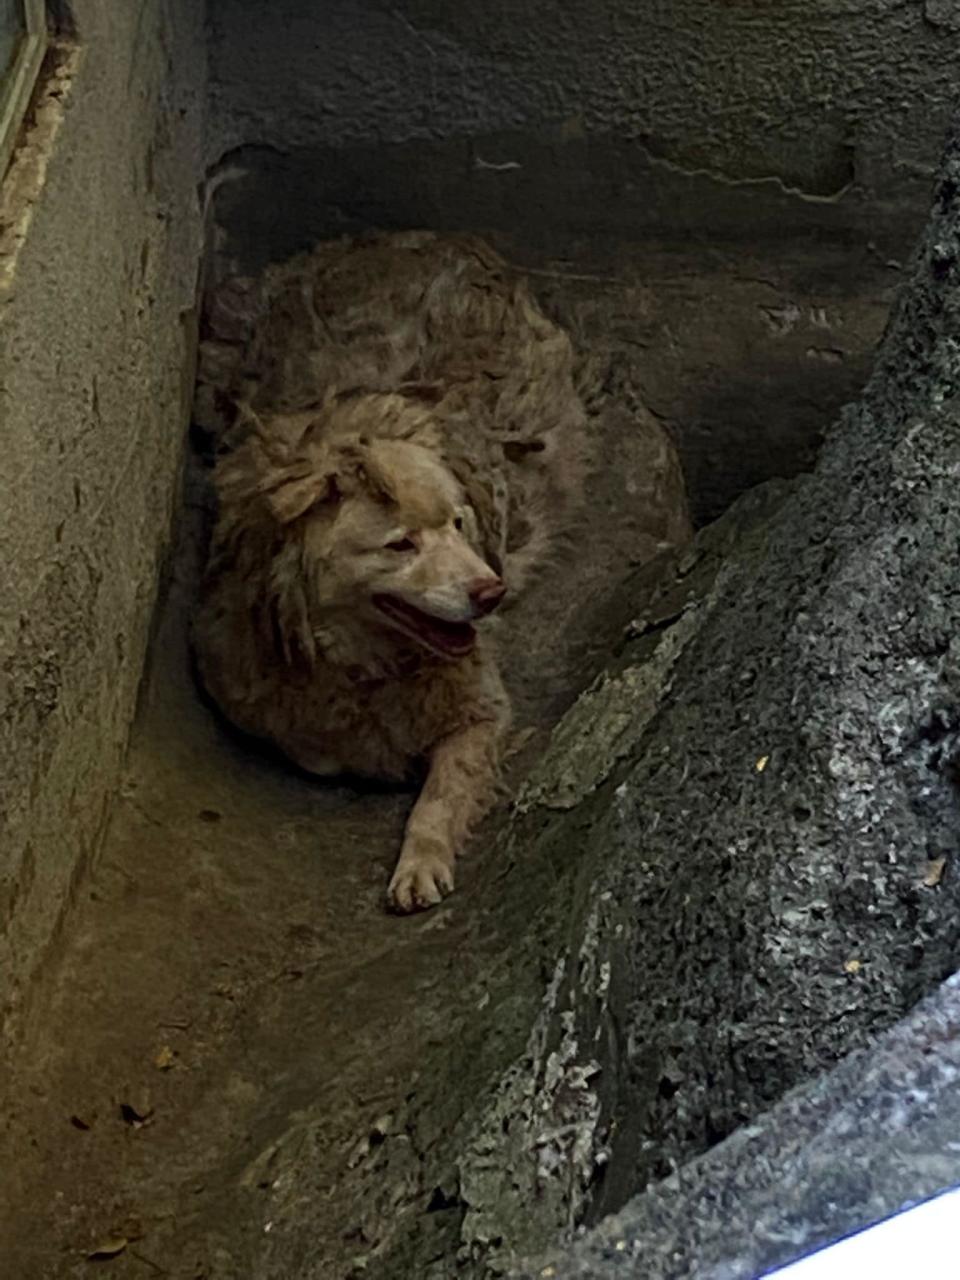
(224, 1060)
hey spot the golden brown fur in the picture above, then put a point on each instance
(411, 435)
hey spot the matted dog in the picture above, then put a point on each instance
(410, 441)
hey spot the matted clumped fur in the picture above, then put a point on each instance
(408, 441)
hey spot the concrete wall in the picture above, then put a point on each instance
(604, 115)
(99, 244)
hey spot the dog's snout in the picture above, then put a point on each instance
(486, 594)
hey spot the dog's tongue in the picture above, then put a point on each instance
(452, 638)
(455, 638)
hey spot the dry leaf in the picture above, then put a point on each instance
(165, 1059)
(762, 763)
(852, 966)
(934, 872)
(108, 1249)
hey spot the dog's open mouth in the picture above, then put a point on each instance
(451, 639)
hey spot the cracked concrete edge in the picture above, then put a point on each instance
(544, 1125)
(606, 720)
(852, 1148)
(773, 181)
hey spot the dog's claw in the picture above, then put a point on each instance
(419, 883)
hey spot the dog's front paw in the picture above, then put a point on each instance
(423, 878)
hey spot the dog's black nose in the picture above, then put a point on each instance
(486, 594)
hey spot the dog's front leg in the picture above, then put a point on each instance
(458, 791)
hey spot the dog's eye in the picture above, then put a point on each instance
(458, 522)
(401, 544)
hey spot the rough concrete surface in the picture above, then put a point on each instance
(815, 95)
(870, 1138)
(650, 116)
(99, 244)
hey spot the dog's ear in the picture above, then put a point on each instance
(287, 472)
(291, 491)
(319, 476)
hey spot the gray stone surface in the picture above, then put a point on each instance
(779, 857)
(99, 244)
(872, 1137)
(812, 95)
(601, 116)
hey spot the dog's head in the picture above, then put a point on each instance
(383, 531)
